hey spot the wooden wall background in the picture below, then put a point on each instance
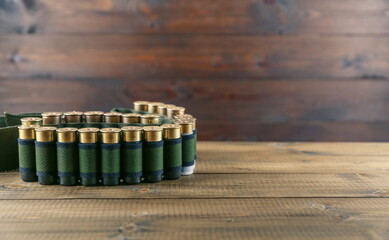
(248, 69)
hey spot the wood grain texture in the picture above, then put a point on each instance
(296, 70)
(353, 131)
(240, 185)
(272, 190)
(195, 219)
(194, 56)
(267, 101)
(201, 16)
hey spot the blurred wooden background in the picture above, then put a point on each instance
(302, 70)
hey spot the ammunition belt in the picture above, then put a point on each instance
(125, 144)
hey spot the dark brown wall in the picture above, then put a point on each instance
(248, 69)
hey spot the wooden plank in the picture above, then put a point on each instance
(296, 158)
(272, 110)
(329, 149)
(213, 186)
(196, 219)
(266, 101)
(352, 131)
(201, 16)
(194, 56)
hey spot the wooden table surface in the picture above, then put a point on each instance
(239, 191)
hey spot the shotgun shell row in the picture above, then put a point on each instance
(55, 118)
(91, 155)
(168, 110)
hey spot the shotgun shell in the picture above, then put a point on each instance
(185, 116)
(110, 135)
(171, 131)
(153, 107)
(172, 151)
(90, 166)
(51, 118)
(88, 135)
(141, 106)
(112, 117)
(186, 127)
(131, 118)
(67, 156)
(188, 148)
(132, 154)
(31, 121)
(73, 117)
(131, 134)
(175, 111)
(93, 116)
(153, 154)
(26, 151)
(152, 133)
(150, 119)
(67, 135)
(45, 134)
(110, 156)
(46, 155)
(169, 106)
(162, 110)
(27, 132)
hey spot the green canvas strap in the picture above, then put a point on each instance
(8, 148)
